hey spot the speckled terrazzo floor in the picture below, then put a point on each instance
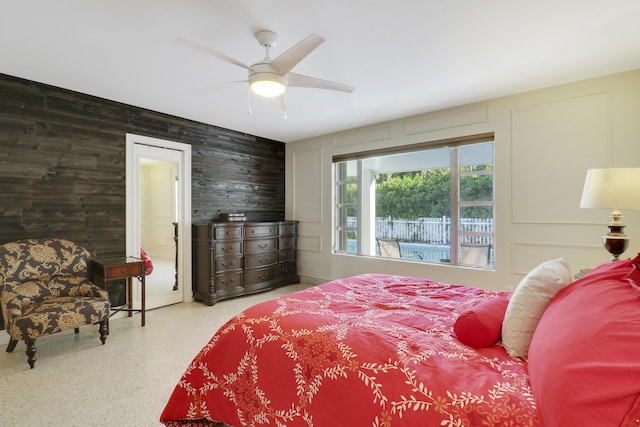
(126, 382)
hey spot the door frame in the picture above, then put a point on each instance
(134, 144)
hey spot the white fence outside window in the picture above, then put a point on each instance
(430, 230)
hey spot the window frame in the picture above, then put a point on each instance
(364, 240)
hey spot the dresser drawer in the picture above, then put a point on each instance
(225, 232)
(228, 281)
(228, 264)
(286, 255)
(287, 269)
(252, 277)
(286, 229)
(261, 230)
(260, 260)
(259, 245)
(286, 242)
(121, 271)
(228, 248)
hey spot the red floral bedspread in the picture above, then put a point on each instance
(370, 350)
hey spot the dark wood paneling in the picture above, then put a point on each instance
(62, 166)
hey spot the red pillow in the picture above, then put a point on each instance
(615, 268)
(583, 359)
(481, 325)
(634, 276)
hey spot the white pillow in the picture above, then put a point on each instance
(529, 300)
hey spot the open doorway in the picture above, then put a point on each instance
(158, 216)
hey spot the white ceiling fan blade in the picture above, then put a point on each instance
(218, 86)
(287, 60)
(211, 52)
(299, 80)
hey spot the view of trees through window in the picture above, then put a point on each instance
(424, 209)
(425, 194)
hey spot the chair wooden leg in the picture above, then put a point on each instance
(12, 345)
(31, 351)
(104, 330)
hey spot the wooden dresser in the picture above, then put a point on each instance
(238, 258)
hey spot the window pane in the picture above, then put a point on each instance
(352, 199)
(346, 206)
(476, 188)
(414, 194)
(476, 154)
(476, 227)
(347, 241)
(485, 212)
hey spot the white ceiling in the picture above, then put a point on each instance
(404, 57)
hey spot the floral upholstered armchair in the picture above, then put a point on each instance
(45, 289)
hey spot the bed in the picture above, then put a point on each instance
(385, 350)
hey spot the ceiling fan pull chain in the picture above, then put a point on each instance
(249, 100)
(284, 98)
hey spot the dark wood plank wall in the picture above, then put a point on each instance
(62, 166)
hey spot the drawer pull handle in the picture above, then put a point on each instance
(263, 276)
(225, 249)
(224, 282)
(263, 245)
(125, 270)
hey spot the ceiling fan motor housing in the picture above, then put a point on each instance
(266, 81)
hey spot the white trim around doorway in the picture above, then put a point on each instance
(136, 145)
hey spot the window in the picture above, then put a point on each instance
(427, 202)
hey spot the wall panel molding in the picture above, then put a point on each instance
(446, 120)
(525, 256)
(362, 136)
(563, 127)
(307, 168)
(309, 243)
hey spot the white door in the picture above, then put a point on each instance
(159, 216)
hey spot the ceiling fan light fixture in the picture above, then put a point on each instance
(268, 85)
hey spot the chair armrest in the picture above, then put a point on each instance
(91, 290)
(12, 303)
(76, 286)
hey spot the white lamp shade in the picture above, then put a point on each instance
(612, 188)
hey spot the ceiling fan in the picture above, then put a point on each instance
(271, 77)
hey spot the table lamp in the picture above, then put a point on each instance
(613, 188)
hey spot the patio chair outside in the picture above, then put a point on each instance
(390, 248)
(476, 254)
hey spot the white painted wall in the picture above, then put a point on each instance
(544, 142)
